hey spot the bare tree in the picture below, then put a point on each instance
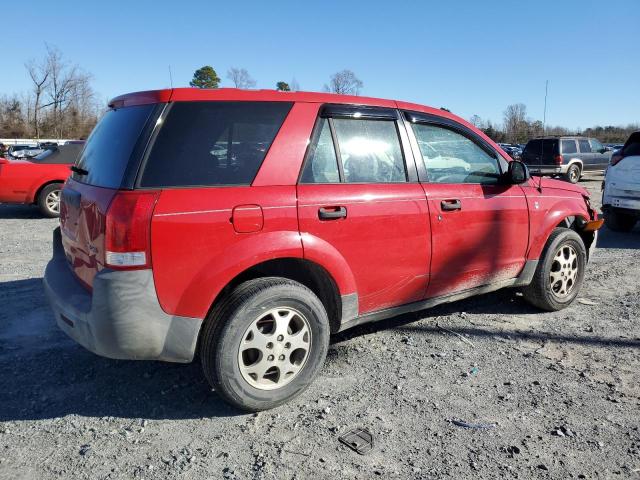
(294, 85)
(515, 122)
(39, 74)
(240, 78)
(62, 101)
(344, 82)
(476, 121)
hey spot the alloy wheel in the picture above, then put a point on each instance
(52, 201)
(564, 271)
(274, 348)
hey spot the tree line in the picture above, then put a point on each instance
(344, 82)
(518, 128)
(61, 103)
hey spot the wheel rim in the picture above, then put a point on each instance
(573, 175)
(274, 348)
(52, 201)
(564, 272)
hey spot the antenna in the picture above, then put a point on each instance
(544, 116)
(170, 77)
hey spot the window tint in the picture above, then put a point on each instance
(450, 157)
(213, 143)
(321, 165)
(110, 145)
(370, 151)
(632, 147)
(569, 146)
(596, 146)
(584, 146)
(549, 147)
(534, 147)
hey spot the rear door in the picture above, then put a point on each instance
(358, 201)
(479, 225)
(601, 155)
(586, 155)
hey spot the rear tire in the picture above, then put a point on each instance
(560, 272)
(253, 347)
(573, 173)
(619, 222)
(49, 200)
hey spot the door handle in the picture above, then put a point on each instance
(332, 213)
(450, 205)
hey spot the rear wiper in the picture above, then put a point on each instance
(79, 171)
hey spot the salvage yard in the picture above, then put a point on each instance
(558, 393)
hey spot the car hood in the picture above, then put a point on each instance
(560, 185)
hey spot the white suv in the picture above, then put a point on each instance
(621, 191)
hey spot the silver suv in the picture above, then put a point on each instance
(565, 156)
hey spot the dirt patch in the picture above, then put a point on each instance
(561, 389)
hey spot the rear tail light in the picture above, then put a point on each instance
(128, 230)
(558, 159)
(615, 159)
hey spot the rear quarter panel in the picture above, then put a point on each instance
(196, 251)
(21, 180)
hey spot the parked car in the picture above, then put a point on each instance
(621, 187)
(23, 151)
(39, 179)
(248, 226)
(569, 157)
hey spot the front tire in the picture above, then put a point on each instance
(573, 173)
(560, 272)
(264, 343)
(49, 200)
(619, 222)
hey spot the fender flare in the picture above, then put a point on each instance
(552, 219)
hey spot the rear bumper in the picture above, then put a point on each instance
(121, 318)
(548, 170)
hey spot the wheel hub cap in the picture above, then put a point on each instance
(274, 348)
(53, 201)
(564, 271)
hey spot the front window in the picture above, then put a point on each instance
(450, 157)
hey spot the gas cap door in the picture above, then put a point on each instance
(247, 218)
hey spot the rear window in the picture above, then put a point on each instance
(111, 144)
(534, 147)
(569, 146)
(632, 147)
(213, 143)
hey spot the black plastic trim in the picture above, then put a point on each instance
(358, 112)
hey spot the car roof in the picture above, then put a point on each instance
(237, 94)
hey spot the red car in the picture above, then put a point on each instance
(38, 180)
(248, 226)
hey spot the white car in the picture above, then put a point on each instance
(621, 190)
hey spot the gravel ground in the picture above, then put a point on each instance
(562, 390)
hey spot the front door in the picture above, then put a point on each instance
(357, 206)
(479, 224)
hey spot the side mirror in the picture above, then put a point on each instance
(518, 172)
(603, 149)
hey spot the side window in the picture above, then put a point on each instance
(322, 164)
(596, 146)
(450, 157)
(370, 151)
(569, 146)
(584, 146)
(212, 143)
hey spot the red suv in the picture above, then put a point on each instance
(248, 226)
